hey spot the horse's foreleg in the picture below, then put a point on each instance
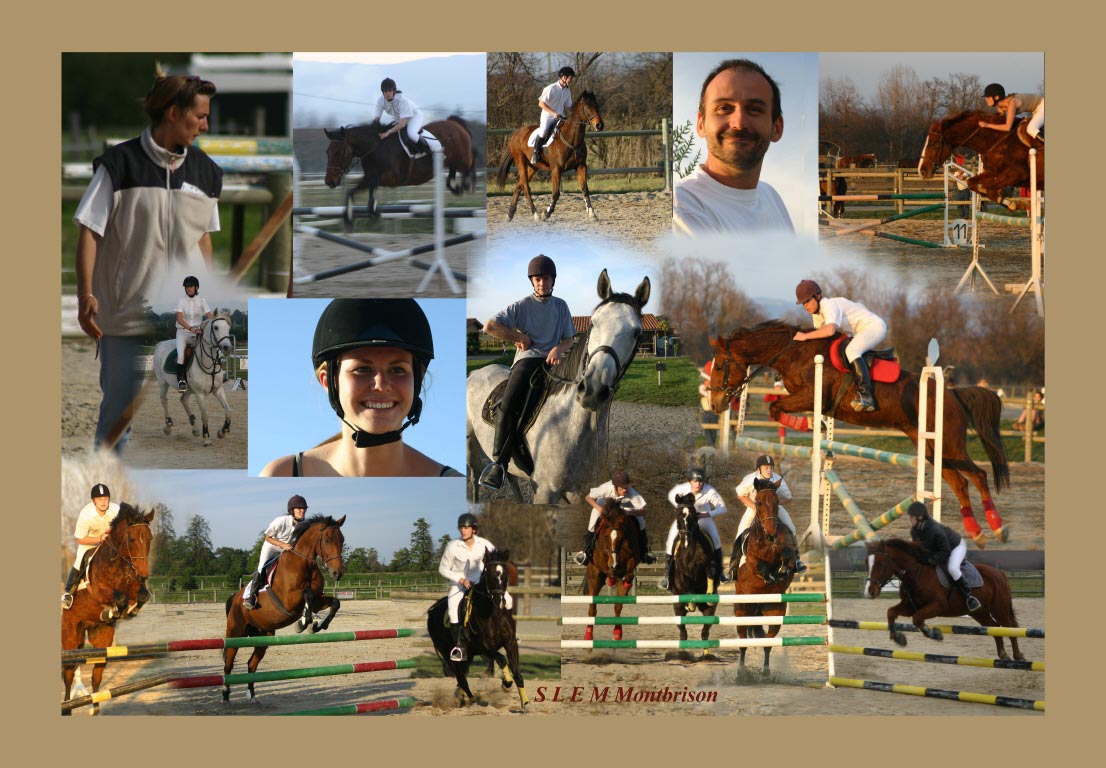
(228, 665)
(928, 612)
(331, 604)
(203, 420)
(895, 611)
(959, 486)
(304, 620)
(221, 396)
(524, 177)
(184, 400)
(582, 178)
(513, 673)
(555, 182)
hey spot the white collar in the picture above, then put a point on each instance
(161, 156)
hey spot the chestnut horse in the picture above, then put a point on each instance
(387, 164)
(922, 596)
(766, 569)
(614, 559)
(489, 626)
(771, 345)
(693, 555)
(294, 592)
(566, 151)
(1005, 157)
(116, 588)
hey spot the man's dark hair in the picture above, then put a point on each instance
(752, 66)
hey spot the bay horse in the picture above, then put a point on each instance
(767, 568)
(386, 163)
(836, 188)
(1005, 157)
(770, 344)
(294, 592)
(922, 597)
(566, 151)
(613, 562)
(566, 432)
(114, 588)
(693, 556)
(489, 626)
(204, 376)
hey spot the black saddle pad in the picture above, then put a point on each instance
(489, 413)
(972, 577)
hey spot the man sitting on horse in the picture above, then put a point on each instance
(630, 501)
(540, 325)
(192, 310)
(93, 524)
(277, 538)
(555, 102)
(708, 504)
(404, 113)
(746, 494)
(839, 315)
(947, 549)
(1011, 105)
(463, 564)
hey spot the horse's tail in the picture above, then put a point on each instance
(984, 409)
(505, 163)
(462, 122)
(230, 602)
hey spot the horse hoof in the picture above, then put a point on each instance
(980, 540)
(167, 430)
(1002, 534)
(195, 433)
(936, 634)
(537, 217)
(592, 216)
(899, 638)
(207, 442)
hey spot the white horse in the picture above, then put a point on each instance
(573, 421)
(205, 374)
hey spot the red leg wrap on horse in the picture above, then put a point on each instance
(971, 525)
(588, 632)
(798, 423)
(618, 633)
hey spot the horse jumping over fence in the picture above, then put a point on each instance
(923, 597)
(489, 625)
(116, 588)
(767, 567)
(1005, 157)
(294, 594)
(614, 560)
(565, 152)
(386, 163)
(204, 376)
(770, 344)
(692, 560)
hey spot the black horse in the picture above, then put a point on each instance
(692, 558)
(489, 627)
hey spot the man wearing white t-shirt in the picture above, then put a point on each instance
(555, 102)
(740, 115)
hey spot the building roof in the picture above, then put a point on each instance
(582, 322)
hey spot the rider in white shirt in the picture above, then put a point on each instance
(746, 494)
(555, 102)
(277, 538)
(92, 527)
(709, 504)
(192, 310)
(463, 564)
(631, 502)
(403, 112)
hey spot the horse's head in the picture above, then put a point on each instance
(888, 560)
(687, 518)
(611, 343)
(762, 344)
(767, 506)
(339, 156)
(497, 576)
(321, 537)
(945, 135)
(589, 110)
(727, 376)
(218, 332)
(130, 537)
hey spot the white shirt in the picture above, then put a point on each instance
(708, 502)
(848, 316)
(398, 108)
(91, 523)
(193, 308)
(558, 97)
(606, 491)
(280, 529)
(459, 561)
(745, 487)
(703, 206)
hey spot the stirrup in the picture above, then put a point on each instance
(663, 582)
(492, 476)
(972, 602)
(800, 566)
(67, 601)
(580, 558)
(182, 385)
(457, 653)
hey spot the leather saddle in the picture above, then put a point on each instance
(535, 399)
(170, 365)
(882, 363)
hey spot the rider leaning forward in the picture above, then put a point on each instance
(839, 315)
(945, 546)
(631, 503)
(277, 538)
(462, 564)
(540, 326)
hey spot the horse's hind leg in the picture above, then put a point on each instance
(978, 476)
(255, 661)
(165, 407)
(582, 178)
(959, 486)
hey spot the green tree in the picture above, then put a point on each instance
(421, 550)
(162, 548)
(196, 546)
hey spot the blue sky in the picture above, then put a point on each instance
(1017, 72)
(380, 511)
(289, 409)
(344, 87)
(501, 279)
(791, 165)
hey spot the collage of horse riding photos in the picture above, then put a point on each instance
(583, 384)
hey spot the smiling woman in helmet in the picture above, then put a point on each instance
(370, 356)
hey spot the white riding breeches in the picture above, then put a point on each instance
(1037, 122)
(873, 333)
(184, 337)
(956, 558)
(706, 524)
(751, 515)
(453, 601)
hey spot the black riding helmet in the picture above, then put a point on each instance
(697, 473)
(541, 265)
(193, 281)
(994, 91)
(566, 72)
(918, 510)
(387, 84)
(353, 323)
(467, 519)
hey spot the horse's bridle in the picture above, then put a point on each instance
(588, 115)
(346, 159)
(214, 358)
(733, 391)
(316, 555)
(127, 557)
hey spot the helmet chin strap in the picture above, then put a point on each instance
(361, 438)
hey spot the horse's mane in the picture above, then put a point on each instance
(768, 326)
(127, 515)
(563, 374)
(589, 96)
(910, 548)
(307, 523)
(497, 556)
(462, 122)
(620, 298)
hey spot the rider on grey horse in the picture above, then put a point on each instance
(541, 328)
(192, 310)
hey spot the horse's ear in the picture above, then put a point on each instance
(336, 134)
(150, 516)
(642, 292)
(716, 343)
(604, 286)
(504, 553)
(340, 520)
